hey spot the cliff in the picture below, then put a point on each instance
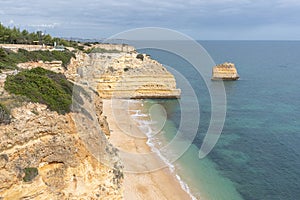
(44, 155)
(16, 47)
(129, 75)
(55, 66)
(113, 47)
(225, 71)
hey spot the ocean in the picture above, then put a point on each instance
(258, 153)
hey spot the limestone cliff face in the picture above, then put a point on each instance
(79, 61)
(70, 72)
(113, 47)
(225, 71)
(44, 155)
(129, 75)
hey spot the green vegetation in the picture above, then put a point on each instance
(16, 36)
(30, 174)
(12, 101)
(42, 86)
(140, 56)
(100, 50)
(4, 115)
(10, 59)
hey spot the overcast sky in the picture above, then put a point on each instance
(200, 19)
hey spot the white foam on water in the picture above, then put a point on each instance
(138, 113)
(145, 127)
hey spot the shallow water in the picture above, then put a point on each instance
(258, 154)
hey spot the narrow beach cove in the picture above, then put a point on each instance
(139, 183)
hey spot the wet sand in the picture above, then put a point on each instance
(142, 179)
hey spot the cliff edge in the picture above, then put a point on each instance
(47, 155)
(129, 75)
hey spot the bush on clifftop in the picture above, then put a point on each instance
(42, 86)
(10, 59)
(101, 50)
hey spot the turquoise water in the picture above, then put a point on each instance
(258, 154)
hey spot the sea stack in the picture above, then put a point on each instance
(225, 71)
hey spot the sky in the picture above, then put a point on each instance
(199, 19)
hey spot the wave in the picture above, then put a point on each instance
(145, 127)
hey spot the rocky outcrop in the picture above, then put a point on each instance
(44, 155)
(16, 47)
(113, 47)
(225, 71)
(80, 60)
(55, 66)
(129, 75)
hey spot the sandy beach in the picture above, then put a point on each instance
(139, 183)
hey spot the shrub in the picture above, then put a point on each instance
(10, 59)
(81, 48)
(101, 50)
(42, 86)
(140, 56)
(4, 115)
(30, 174)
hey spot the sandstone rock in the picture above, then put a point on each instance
(225, 71)
(55, 66)
(126, 75)
(53, 144)
(72, 69)
(70, 153)
(114, 47)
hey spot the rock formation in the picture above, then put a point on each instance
(16, 47)
(113, 47)
(44, 155)
(129, 75)
(55, 65)
(225, 71)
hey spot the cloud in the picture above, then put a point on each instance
(288, 3)
(88, 17)
(52, 25)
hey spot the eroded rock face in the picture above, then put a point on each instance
(129, 75)
(44, 155)
(79, 61)
(55, 66)
(225, 71)
(114, 47)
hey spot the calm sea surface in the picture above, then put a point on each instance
(258, 154)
